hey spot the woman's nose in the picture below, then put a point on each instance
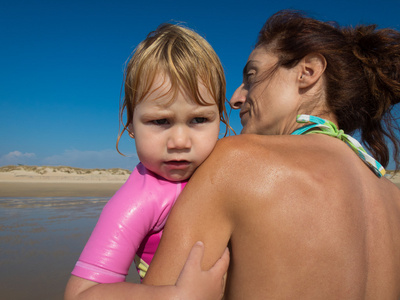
(238, 97)
(179, 139)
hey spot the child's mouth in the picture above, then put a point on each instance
(177, 163)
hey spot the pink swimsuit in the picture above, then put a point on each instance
(130, 223)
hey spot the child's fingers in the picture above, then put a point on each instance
(193, 283)
(196, 255)
(222, 264)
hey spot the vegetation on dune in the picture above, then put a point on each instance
(64, 169)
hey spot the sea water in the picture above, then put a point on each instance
(40, 242)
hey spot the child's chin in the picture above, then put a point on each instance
(177, 177)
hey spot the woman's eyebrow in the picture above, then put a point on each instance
(247, 66)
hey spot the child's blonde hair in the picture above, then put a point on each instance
(185, 57)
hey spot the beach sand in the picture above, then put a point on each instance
(31, 181)
(46, 217)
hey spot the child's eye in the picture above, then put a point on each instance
(160, 122)
(199, 120)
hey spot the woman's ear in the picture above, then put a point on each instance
(312, 66)
(130, 130)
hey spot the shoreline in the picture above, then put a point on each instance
(58, 189)
(31, 181)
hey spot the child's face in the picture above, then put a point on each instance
(174, 137)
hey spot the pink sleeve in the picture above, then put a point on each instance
(140, 205)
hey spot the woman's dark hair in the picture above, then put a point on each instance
(362, 77)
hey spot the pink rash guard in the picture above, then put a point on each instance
(130, 223)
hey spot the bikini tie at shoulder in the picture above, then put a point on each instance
(322, 126)
(340, 134)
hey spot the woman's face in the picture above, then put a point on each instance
(268, 104)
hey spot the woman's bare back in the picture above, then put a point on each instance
(315, 222)
(304, 216)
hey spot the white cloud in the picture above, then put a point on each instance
(17, 157)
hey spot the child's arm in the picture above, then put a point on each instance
(141, 205)
(193, 283)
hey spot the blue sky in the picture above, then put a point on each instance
(61, 66)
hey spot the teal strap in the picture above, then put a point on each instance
(322, 126)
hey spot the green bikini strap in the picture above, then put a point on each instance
(322, 126)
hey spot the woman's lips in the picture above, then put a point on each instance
(242, 113)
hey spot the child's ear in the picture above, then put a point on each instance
(130, 130)
(312, 66)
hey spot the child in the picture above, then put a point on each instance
(174, 101)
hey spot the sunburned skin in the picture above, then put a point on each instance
(297, 210)
(304, 215)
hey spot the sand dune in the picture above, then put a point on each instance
(61, 181)
(47, 181)
(60, 174)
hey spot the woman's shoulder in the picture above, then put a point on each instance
(240, 142)
(251, 145)
(244, 154)
(285, 146)
(294, 156)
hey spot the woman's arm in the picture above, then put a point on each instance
(202, 212)
(193, 283)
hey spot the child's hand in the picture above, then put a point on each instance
(193, 283)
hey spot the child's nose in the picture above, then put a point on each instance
(179, 138)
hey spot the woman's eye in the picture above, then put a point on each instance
(160, 122)
(199, 120)
(249, 76)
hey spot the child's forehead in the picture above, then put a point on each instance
(163, 92)
(161, 84)
(160, 90)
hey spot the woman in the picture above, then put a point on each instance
(306, 216)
